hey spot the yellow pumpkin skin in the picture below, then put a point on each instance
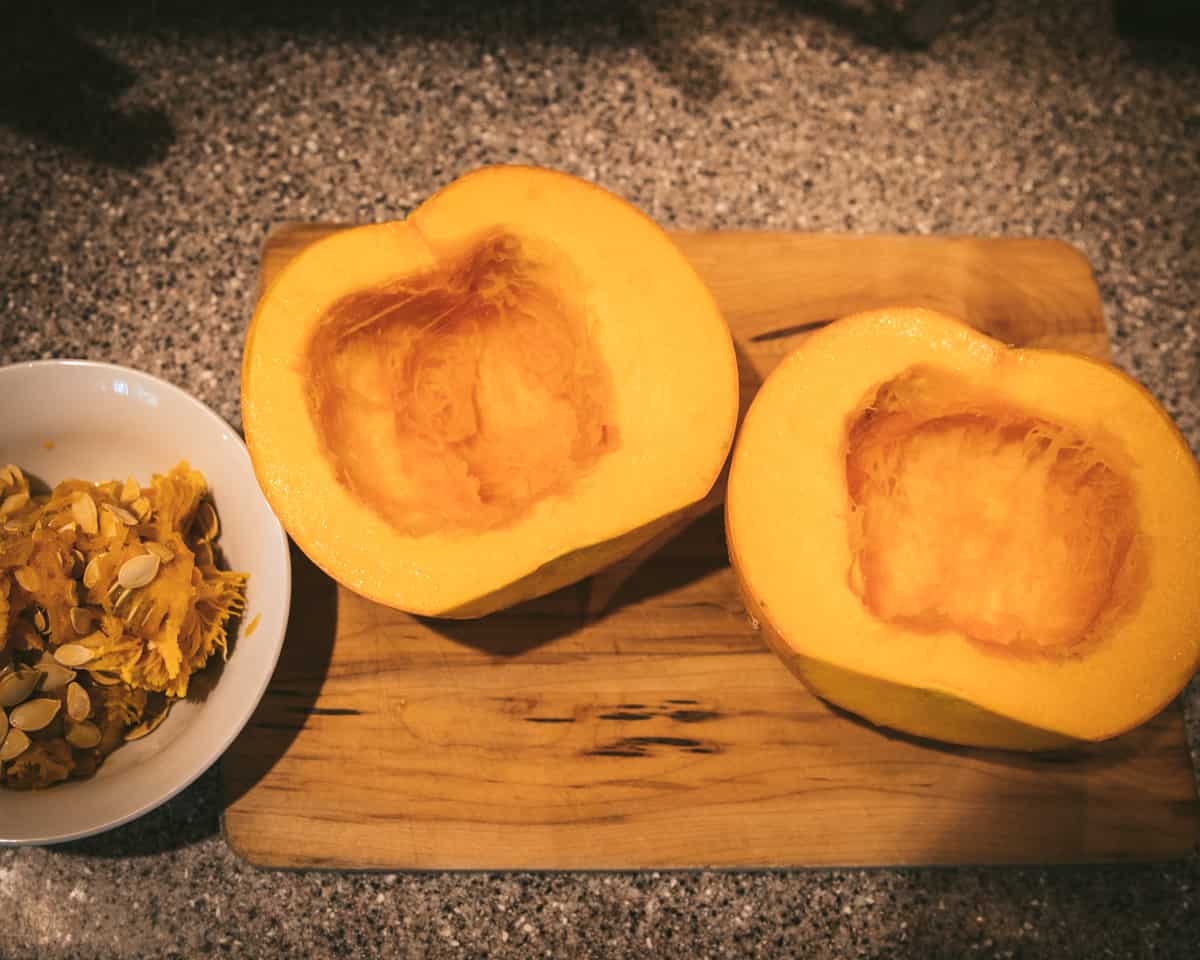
(799, 534)
(593, 287)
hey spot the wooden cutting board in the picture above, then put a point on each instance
(659, 732)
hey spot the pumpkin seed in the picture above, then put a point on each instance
(155, 614)
(145, 727)
(83, 735)
(121, 600)
(73, 655)
(130, 491)
(109, 525)
(34, 714)
(15, 744)
(41, 621)
(141, 507)
(91, 573)
(27, 579)
(56, 676)
(83, 509)
(205, 526)
(163, 552)
(14, 502)
(79, 704)
(69, 527)
(121, 514)
(104, 678)
(82, 620)
(71, 593)
(17, 686)
(140, 614)
(138, 571)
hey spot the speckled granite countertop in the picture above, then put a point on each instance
(144, 153)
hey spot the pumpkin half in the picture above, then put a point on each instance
(983, 545)
(516, 386)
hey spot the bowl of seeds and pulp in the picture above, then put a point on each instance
(144, 591)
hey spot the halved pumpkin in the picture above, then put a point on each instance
(516, 386)
(983, 545)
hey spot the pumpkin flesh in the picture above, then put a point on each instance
(963, 541)
(490, 399)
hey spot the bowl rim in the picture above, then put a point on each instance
(278, 540)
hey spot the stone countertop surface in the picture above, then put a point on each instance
(146, 148)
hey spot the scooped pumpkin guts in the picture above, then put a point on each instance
(104, 617)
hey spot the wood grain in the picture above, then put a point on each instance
(662, 733)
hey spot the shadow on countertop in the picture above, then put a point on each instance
(186, 819)
(62, 87)
(1160, 31)
(59, 89)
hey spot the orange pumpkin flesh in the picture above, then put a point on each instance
(482, 376)
(983, 545)
(969, 513)
(518, 385)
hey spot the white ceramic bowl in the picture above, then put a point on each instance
(73, 418)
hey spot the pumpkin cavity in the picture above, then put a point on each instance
(455, 400)
(969, 513)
